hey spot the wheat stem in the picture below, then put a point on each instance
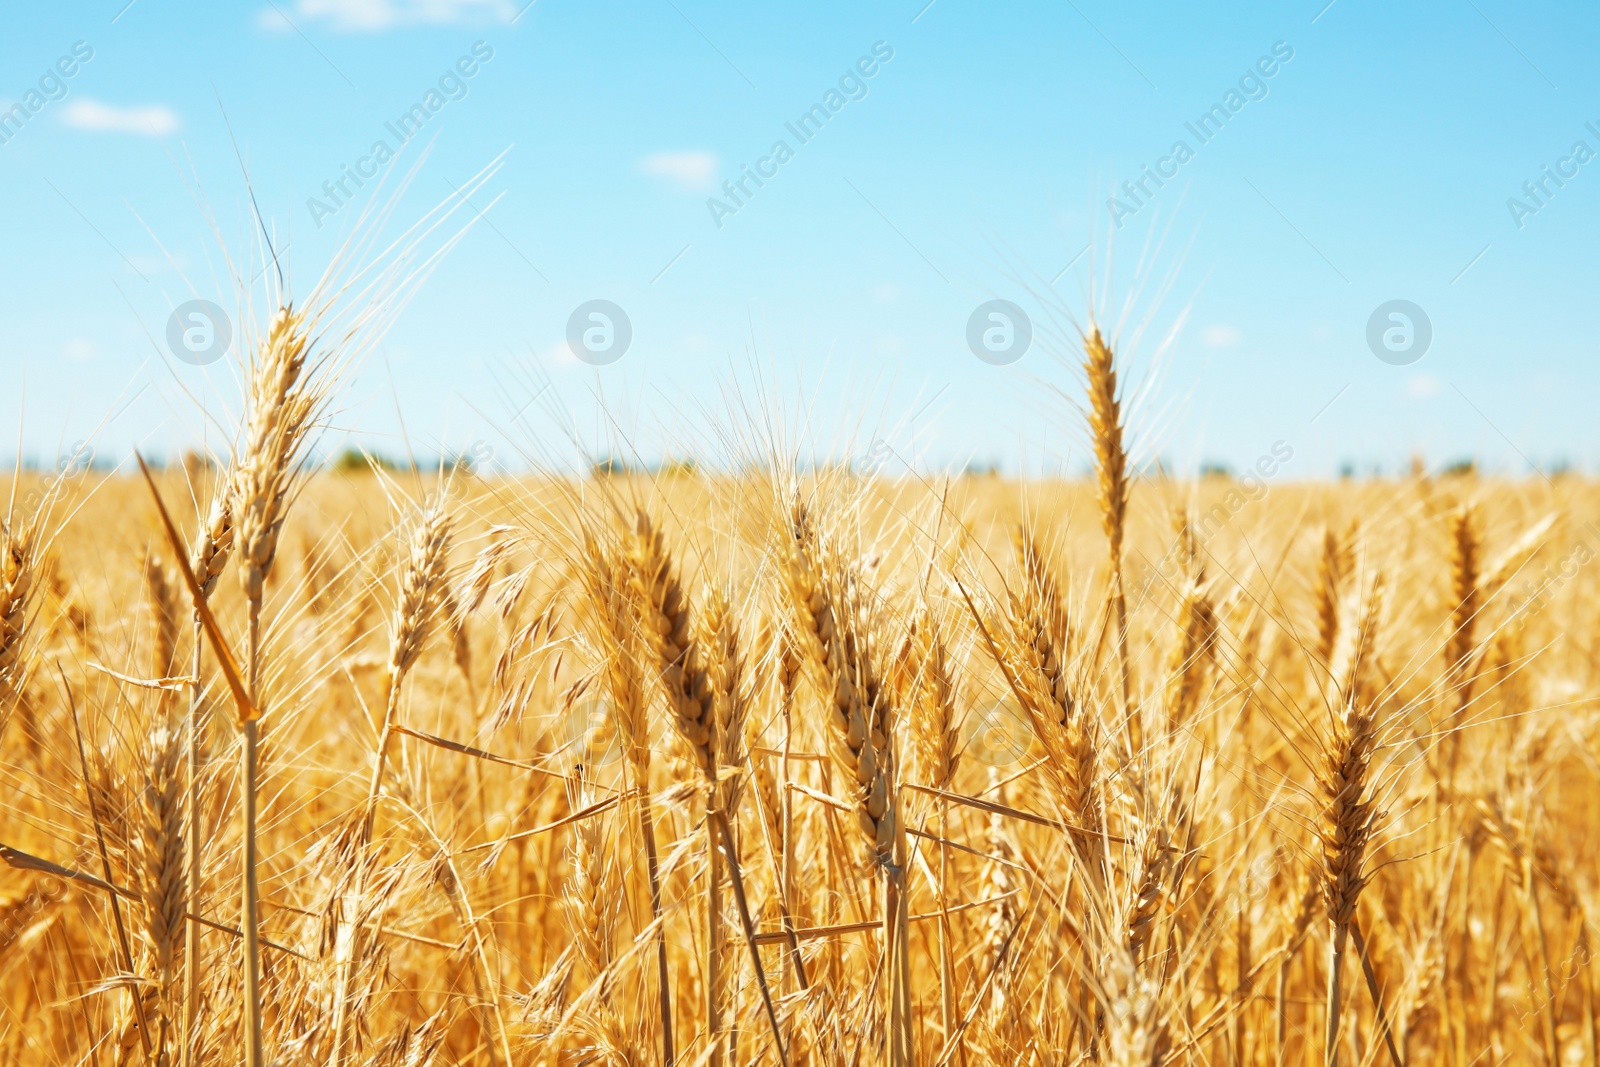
(249, 906)
(193, 860)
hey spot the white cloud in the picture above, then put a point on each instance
(273, 20)
(78, 350)
(152, 121)
(693, 172)
(560, 354)
(1422, 386)
(887, 293)
(371, 16)
(1221, 335)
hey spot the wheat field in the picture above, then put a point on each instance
(795, 765)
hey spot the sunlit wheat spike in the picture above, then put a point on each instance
(1070, 736)
(280, 412)
(1192, 652)
(607, 615)
(934, 725)
(214, 541)
(1466, 548)
(668, 626)
(1111, 487)
(280, 408)
(725, 668)
(162, 596)
(17, 566)
(1347, 820)
(422, 586)
(162, 875)
(829, 611)
(1041, 610)
(1334, 568)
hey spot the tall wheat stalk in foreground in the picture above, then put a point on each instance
(278, 420)
(610, 615)
(680, 661)
(419, 602)
(1111, 481)
(832, 618)
(1349, 813)
(1344, 830)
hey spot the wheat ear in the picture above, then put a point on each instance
(18, 563)
(417, 607)
(280, 411)
(606, 580)
(1466, 551)
(1111, 484)
(937, 743)
(416, 611)
(1192, 652)
(162, 838)
(831, 620)
(725, 669)
(667, 623)
(1030, 645)
(161, 853)
(1333, 568)
(1344, 828)
(165, 611)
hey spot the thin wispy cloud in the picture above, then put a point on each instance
(1422, 387)
(693, 172)
(375, 16)
(152, 120)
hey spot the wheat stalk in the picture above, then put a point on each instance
(937, 743)
(17, 566)
(1344, 828)
(1030, 644)
(1466, 550)
(668, 626)
(164, 615)
(280, 409)
(1111, 485)
(419, 602)
(162, 875)
(829, 609)
(208, 558)
(605, 577)
(417, 609)
(1334, 567)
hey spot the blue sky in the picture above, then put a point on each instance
(1375, 163)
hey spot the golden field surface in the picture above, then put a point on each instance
(804, 769)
